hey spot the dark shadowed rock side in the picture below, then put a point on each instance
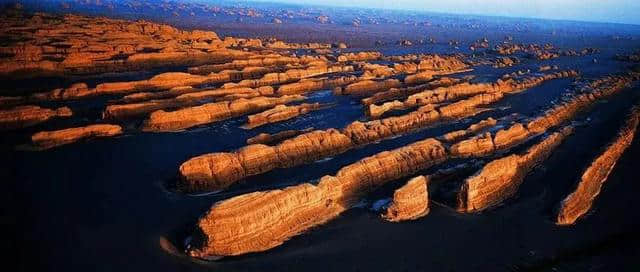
(580, 201)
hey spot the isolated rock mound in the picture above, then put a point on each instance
(49, 139)
(410, 201)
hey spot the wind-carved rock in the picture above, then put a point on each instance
(310, 85)
(500, 179)
(403, 93)
(161, 120)
(49, 139)
(280, 113)
(278, 215)
(199, 174)
(473, 129)
(289, 76)
(411, 201)
(579, 202)
(26, 116)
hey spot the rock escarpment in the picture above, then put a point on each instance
(26, 116)
(278, 215)
(49, 139)
(500, 179)
(410, 201)
(579, 202)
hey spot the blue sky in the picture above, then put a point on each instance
(617, 11)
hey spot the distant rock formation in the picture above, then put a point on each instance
(26, 116)
(268, 139)
(579, 202)
(49, 139)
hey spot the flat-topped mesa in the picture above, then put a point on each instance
(49, 139)
(579, 202)
(280, 113)
(369, 87)
(410, 202)
(162, 121)
(457, 135)
(72, 44)
(187, 99)
(466, 89)
(289, 76)
(277, 215)
(313, 84)
(26, 116)
(403, 93)
(500, 179)
(360, 56)
(268, 139)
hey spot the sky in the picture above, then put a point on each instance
(614, 11)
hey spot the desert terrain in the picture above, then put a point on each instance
(242, 136)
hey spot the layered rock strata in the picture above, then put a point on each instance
(49, 139)
(500, 179)
(26, 116)
(580, 201)
(162, 121)
(205, 172)
(411, 201)
(277, 215)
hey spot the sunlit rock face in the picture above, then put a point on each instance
(411, 201)
(49, 139)
(500, 178)
(579, 202)
(273, 217)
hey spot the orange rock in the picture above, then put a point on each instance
(49, 139)
(410, 201)
(26, 116)
(579, 202)
(500, 178)
(212, 112)
(265, 138)
(278, 215)
(280, 113)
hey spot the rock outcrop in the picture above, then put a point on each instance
(410, 201)
(199, 174)
(161, 120)
(188, 99)
(26, 116)
(49, 139)
(579, 202)
(500, 179)
(268, 139)
(278, 215)
(280, 113)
